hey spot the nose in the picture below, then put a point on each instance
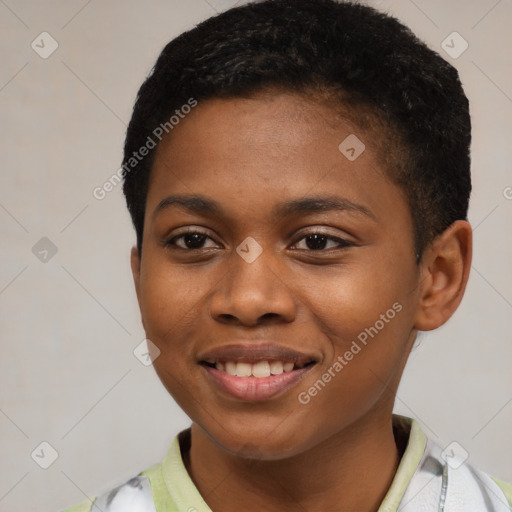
(252, 293)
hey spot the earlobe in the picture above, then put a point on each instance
(446, 264)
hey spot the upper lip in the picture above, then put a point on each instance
(252, 353)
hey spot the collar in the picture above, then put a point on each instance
(184, 492)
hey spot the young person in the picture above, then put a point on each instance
(297, 173)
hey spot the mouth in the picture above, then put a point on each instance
(259, 369)
(255, 372)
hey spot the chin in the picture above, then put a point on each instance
(264, 444)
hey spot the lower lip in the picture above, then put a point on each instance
(255, 389)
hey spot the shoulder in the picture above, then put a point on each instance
(430, 475)
(84, 506)
(146, 492)
(135, 494)
(506, 488)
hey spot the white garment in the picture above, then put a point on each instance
(450, 485)
(133, 496)
(438, 485)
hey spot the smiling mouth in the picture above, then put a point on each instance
(259, 369)
(255, 380)
(255, 372)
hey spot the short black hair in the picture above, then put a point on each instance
(367, 60)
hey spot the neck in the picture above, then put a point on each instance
(351, 470)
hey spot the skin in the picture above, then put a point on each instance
(338, 451)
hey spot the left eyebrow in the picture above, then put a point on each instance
(319, 204)
(204, 205)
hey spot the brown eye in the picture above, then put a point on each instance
(318, 242)
(190, 240)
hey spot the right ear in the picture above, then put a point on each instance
(135, 264)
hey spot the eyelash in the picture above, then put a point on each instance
(343, 244)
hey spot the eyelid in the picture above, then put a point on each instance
(190, 229)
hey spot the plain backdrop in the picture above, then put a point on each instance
(69, 316)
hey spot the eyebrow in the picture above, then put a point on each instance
(307, 205)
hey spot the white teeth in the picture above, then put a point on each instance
(243, 369)
(231, 368)
(276, 367)
(261, 369)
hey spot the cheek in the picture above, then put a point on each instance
(352, 298)
(170, 303)
(367, 319)
(361, 376)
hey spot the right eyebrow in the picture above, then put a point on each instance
(195, 204)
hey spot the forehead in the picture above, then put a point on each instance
(249, 153)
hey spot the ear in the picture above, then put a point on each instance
(135, 261)
(444, 270)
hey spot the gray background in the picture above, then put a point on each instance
(69, 324)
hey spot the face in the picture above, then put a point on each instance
(293, 268)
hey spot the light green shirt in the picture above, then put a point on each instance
(174, 491)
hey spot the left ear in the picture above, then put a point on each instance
(445, 269)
